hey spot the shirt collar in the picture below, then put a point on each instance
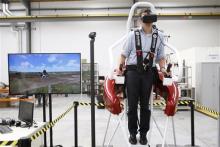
(142, 31)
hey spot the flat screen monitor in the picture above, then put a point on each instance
(26, 112)
(43, 73)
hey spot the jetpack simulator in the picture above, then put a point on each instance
(165, 86)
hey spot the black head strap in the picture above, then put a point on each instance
(149, 18)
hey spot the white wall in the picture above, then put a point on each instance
(192, 33)
(73, 37)
(8, 44)
(192, 56)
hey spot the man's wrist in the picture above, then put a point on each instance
(121, 66)
(162, 69)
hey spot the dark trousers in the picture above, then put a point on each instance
(139, 87)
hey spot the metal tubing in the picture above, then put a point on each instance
(176, 51)
(50, 119)
(160, 132)
(219, 130)
(21, 38)
(184, 71)
(111, 138)
(9, 25)
(174, 132)
(92, 35)
(28, 26)
(106, 131)
(28, 37)
(131, 13)
(114, 132)
(125, 132)
(72, 17)
(120, 8)
(219, 111)
(165, 131)
(44, 119)
(4, 9)
(7, 10)
(76, 104)
(110, 51)
(192, 124)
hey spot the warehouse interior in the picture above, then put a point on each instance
(62, 27)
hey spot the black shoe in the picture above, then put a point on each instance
(143, 139)
(132, 139)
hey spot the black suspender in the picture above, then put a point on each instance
(153, 47)
(139, 52)
(147, 63)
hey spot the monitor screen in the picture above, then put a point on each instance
(55, 73)
(26, 111)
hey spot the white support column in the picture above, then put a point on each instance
(1, 54)
(165, 131)
(218, 131)
(219, 111)
(106, 131)
(174, 131)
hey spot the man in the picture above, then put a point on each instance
(139, 82)
(44, 74)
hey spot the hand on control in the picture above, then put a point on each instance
(121, 69)
(166, 74)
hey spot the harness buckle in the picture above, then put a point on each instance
(139, 52)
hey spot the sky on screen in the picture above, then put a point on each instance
(40, 62)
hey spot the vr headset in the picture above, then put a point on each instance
(149, 18)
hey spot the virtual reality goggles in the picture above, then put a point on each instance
(149, 18)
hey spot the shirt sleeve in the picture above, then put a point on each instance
(127, 47)
(160, 50)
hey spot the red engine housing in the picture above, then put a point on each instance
(172, 98)
(112, 101)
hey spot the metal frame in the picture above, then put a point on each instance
(128, 28)
(72, 17)
(113, 8)
(119, 123)
(122, 123)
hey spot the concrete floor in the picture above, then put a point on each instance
(205, 127)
